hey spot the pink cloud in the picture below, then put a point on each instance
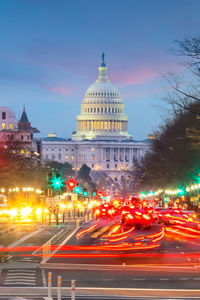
(58, 90)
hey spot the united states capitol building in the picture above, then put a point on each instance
(101, 140)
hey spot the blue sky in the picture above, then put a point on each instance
(50, 52)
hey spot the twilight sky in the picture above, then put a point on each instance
(50, 52)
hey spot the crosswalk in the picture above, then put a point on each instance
(20, 277)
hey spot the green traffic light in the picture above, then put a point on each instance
(85, 193)
(94, 194)
(77, 190)
(56, 182)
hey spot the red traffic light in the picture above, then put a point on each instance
(71, 183)
(99, 194)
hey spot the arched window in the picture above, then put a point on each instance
(102, 110)
(113, 110)
(91, 109)
(109, 110)
(105, 110)
(98, 109)
(88, 109)
(95, 110)
(118, 110)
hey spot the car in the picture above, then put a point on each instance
(174, 216)
(137, 217)
(104, 211)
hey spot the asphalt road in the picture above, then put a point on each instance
(174, 265)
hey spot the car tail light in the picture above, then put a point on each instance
(160, 215)
(138, 213)
(146, 217)
(130, 216)
(110, 212)
(97, 212)
(103, 209)
(194, 216)
(168, 215)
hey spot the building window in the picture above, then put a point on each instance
(107, 166)
(3, 115)
(46, 156)
(52, 149)
(105, 110)
(72, 150)
(22, 137)
(22, 151)
(92, 156)
(116, 166)
(28, 137)
(109, 110)
(72, 157)
(92, 165)
(94, 109)
(102, 110)
(3, 126)
(59, 156)
(66, 157)
(98, 109)
(59, 149)
(113, 110)
(53, 156)
(10, 126)
(66, 149)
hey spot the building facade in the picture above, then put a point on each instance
(101, 139)
(20, 133)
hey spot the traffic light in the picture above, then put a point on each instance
(56, 182)
(85, 193)
(94, 193)
(71, 183)
(77, 190)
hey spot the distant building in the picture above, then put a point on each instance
(101, 140)
(19, 132)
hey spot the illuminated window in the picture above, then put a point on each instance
(92, 156)
(22, 151)
(109, 125)
(72, 157)
(10, 126)
(94, 125)
(106, 125)
(66, 157)
(97, 125)
(102, 125)
(3, 126)
(92, 149)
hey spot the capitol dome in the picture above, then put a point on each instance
(102, 111)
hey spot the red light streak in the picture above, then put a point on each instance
(158, 238)
(86, 230)
(118, 239)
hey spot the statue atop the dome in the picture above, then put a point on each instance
(103, 62)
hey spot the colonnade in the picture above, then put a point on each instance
(99, 125)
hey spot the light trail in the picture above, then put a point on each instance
(81, 233)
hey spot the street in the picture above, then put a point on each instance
(88, 261)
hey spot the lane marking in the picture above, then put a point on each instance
(107, 279)
(60, 246)
(25, 238)
(138, 279)
(53, 237)
(163, 278)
